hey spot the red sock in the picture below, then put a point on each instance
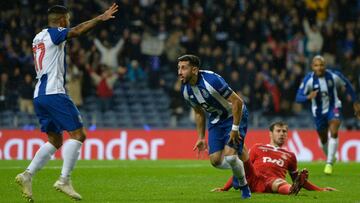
(284, 189)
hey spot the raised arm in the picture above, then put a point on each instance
(88, 25)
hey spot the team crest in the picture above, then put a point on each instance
(283, 156)
(205, 93)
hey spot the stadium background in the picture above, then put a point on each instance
(260, 47)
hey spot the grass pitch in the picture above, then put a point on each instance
(166, 181)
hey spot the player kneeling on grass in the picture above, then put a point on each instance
(55, 110)
(266, 167)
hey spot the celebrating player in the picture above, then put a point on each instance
(227, 126)
(266, 167)
(320, 87)
(55, 110)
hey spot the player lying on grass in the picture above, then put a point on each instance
(266, 167)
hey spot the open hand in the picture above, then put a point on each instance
(200, 146)
(217, 190)
(109, 14)
(235, 137)
(329, 189)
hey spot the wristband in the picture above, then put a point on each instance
(235, 128)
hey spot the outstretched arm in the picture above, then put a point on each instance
(88, 25)
(310, 186)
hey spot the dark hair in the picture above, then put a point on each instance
(277, 123)
(57, 9)
(193, 60)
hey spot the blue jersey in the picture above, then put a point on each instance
(210, 93)
(327, 97)
(50, 63)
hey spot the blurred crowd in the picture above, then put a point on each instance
(261, 47)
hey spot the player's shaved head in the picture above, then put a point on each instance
(318, 57)
(55, 13)
(277, 123)
(193, 60)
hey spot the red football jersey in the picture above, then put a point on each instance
(272, 162)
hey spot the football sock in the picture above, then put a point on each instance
(224, 165)
(284, 188)
(333, 144)
(41, 157)
(71, 155)
(237, 167)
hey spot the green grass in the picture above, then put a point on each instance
(166, 181)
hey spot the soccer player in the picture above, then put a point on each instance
(267, 164)
(55, 110)
(206, 91)
(320, 87)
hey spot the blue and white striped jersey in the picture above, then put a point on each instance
(50, 61)
(327, 97)
(210, 93)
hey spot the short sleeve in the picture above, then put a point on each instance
(220, 85)
(58, 35)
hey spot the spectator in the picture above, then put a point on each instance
(109, 54)
(104, 86)
(135, 72)
(4, 91)
(26, 93)
(74, 79)
(314, 38)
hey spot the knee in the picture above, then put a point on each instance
(56, 142)
(231, 159)
(78, 135)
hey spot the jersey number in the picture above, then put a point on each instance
(39, 52)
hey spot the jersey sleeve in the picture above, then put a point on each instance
(292, 166)
(305, 87)
(341, 80)
(220, 85)
(58, 35)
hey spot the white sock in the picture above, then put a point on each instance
(333, 144)
(237, 167)
(325, 147)
(42, 156)
(224, 165)
(71, 155)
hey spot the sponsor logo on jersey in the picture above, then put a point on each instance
(278, 162)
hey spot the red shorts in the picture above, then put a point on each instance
(258, 182)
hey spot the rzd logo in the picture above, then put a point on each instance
(279, 162)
